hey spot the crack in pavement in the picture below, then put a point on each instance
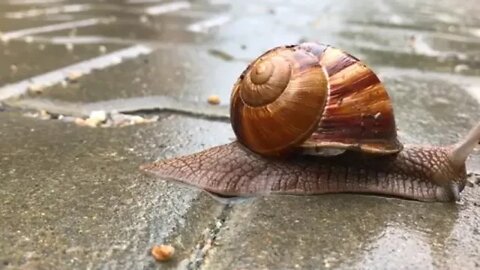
(120, 110)
(197, 258)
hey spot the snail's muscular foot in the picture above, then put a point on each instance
(230, 170)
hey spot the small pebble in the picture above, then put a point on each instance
(13, 69)
(461, 68)
(32, 255)
(80, 122)
(69, 47)
(95, 119)
(91, 122)
(44, 115)
(163, 253)
(36, 88)
(143, 19)
(73, 76)
(100, 116)
(116, 60)
(213, 100)
(102, 49)
(4, 39)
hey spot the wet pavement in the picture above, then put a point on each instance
(71, 196)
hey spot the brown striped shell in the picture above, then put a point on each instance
(311, 97)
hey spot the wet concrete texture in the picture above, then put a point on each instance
(347, 232)
(21, 60)
(72, 196)
(88, 206)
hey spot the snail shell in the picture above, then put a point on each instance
(309, 97)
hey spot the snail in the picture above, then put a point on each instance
(313, 119)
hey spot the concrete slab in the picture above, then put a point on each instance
(187, 73)
(431, 110)
(348, 232)
(74, 198)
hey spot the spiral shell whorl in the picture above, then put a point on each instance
(278, 101)
(267, 79)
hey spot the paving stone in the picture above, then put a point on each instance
(73, 197)
(348, 232)
(184, 73)
(429, 110)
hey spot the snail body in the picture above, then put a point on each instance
(293, 102)
(419, 173)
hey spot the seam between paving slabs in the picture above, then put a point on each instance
(200, 252)
(150, 105)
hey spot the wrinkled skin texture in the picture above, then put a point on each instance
(418, 172)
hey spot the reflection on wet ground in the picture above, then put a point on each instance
(72, 196)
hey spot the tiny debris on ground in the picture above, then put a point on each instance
(221, 54)
(74, 76)
(113, 119)
(163, 253)
(36, 88)
(102, 49)
(473, 179)
(213, 100)
(95, 119)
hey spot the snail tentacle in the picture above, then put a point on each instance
(460, 151)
